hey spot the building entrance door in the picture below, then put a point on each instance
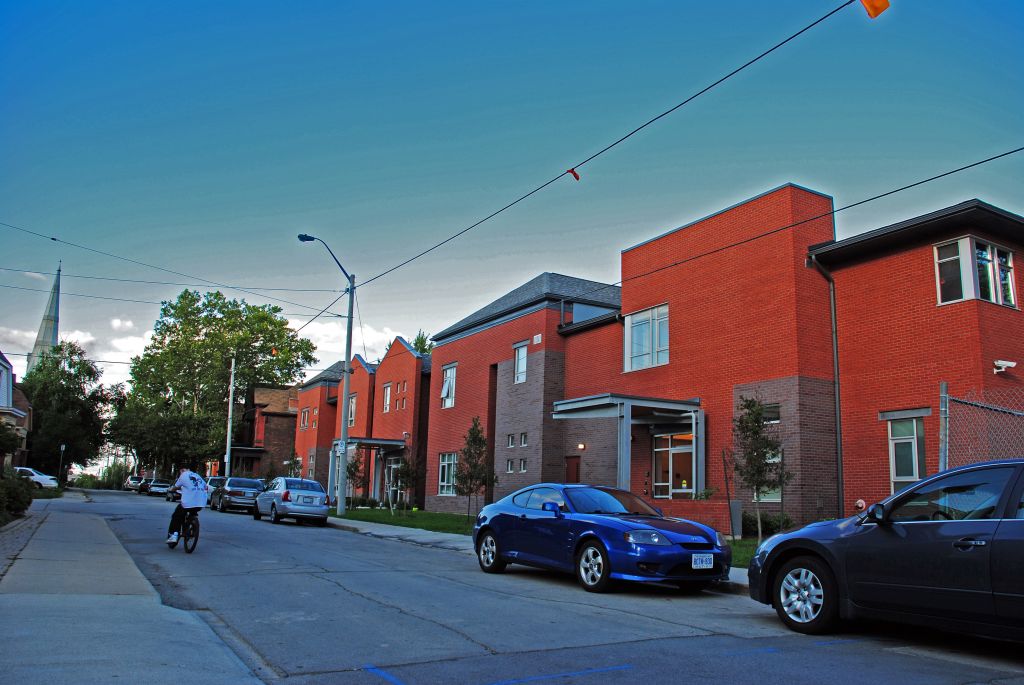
(572, 469)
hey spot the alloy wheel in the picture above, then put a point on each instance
(801, 595)
(591, 566)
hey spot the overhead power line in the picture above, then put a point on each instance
(113, 361)
(64, 274)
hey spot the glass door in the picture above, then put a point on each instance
(674, 468)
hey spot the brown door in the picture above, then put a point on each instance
(572, 469)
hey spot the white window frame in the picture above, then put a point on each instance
(970, 282)
(671, 451)
(657, 356)
(511, 439)
(509, 465)
(913, 440)
(446, 474)
(520, 351)
(448, 386)
(522, 440)
(304, 419)
(352, 410)
(522, 465)
(387, 397)
(311, 466)
(771, 495)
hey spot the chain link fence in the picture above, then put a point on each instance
(980, 426)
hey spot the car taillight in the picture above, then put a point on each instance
(287, 496)
(235, 493)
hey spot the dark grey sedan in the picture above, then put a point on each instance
(235, 493)
(947, 552)
(294, 498)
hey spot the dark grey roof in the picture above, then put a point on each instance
(332, 374)
(547, 286)
(370, 368)
(972, 214)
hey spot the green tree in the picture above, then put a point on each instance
(68, 406)
(757, 454)
(9, 440)
(473, 471)
(176, 408)
(408, 476)
(422, 343)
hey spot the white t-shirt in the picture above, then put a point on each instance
(193, 490)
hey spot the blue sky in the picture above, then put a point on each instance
(202, 136)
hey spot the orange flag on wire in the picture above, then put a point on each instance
(875, 7)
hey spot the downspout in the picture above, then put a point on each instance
(813, 261)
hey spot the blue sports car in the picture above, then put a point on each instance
(602, 534)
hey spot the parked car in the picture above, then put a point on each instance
(947, 552)
(601, 534)
(132, 482)
(236, 493)
(39, 480)
(212, 483)
(158, 486)
(144, 486)
(295, 498)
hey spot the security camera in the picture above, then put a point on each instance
(1002, 365)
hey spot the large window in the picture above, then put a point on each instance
(969, 268)
(674, 466)
(906, 452)
(772, 418)
(446, 474)
(520, 370)
(351, 410)
(387, 398)
(304, 419)
(448, 387)
(646, 339)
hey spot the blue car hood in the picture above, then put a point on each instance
(679, 527)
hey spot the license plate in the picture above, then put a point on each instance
(307, 500)
(702, 561)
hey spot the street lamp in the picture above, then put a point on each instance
(336, 477)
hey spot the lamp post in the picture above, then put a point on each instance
(336, 477)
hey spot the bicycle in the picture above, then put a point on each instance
(189, 533)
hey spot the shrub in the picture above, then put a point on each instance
(770, 524)
(372, 503)
(87, 480)
(113, 476)
(17, 493)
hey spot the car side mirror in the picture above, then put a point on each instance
(876, 514)
(553, 508)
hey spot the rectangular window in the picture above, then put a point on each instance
(969, 268)
(520, 366)
(522, 439)
(316, 411)
(403, 403)
(511, 439)
(448, 387)
(314, 423)
(674, 467)
(446, 474)
(646, 339)
(775, 494)
(508, 465)
(351, 410)
(906, 452)
(304, 419)
(387, 398)
(312, 467)
(522, 466)
(405, 386)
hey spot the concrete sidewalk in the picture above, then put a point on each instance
(75, 608)
(464, 543)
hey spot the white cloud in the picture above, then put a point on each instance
(34, 276)
(83, 338)
(329, 338)
(121, 324)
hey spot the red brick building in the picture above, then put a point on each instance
(266, 436)
(928, 300)
(317, 420)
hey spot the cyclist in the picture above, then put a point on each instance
(193, 498)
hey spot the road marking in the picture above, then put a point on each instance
(370, 668)
(992, 663)
(569, 674)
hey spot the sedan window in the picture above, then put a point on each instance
(967, 495)
(542, 495)
(244, 483)
(1020, 507)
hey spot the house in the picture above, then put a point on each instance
(505, 364)
(362, 388)
(930, 300)
(317, 402)
(15, 412)
(267, 432)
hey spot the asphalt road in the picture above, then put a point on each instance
(308, 605)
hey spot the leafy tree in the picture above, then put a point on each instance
(408, 477)
(422, 343)
(9, 440)
(473, 471)
(757, 452)
(68, 405)
(356, 472)
(175, 412)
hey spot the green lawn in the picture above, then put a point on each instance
(47, 493)
(425, 520)
(742, 551)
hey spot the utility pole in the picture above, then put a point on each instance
(60, 470)
(231, 407)
(342, 463)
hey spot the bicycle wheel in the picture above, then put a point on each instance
(191, 535)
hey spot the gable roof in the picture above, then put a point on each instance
(970, 215)
(545, 287)
(358, 359)
(332, 374)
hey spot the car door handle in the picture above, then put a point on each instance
(967, 543)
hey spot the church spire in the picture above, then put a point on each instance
(46, 339)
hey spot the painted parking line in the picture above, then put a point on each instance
(381, 673)
(568, 674)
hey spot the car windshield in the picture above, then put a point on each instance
(601, 501)
(296, 484)
(244, 483)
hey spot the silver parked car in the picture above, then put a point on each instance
(158, 486)
(212, 483)
(235, 493)
(295, 498)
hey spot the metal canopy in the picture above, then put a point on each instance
(631, 410)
